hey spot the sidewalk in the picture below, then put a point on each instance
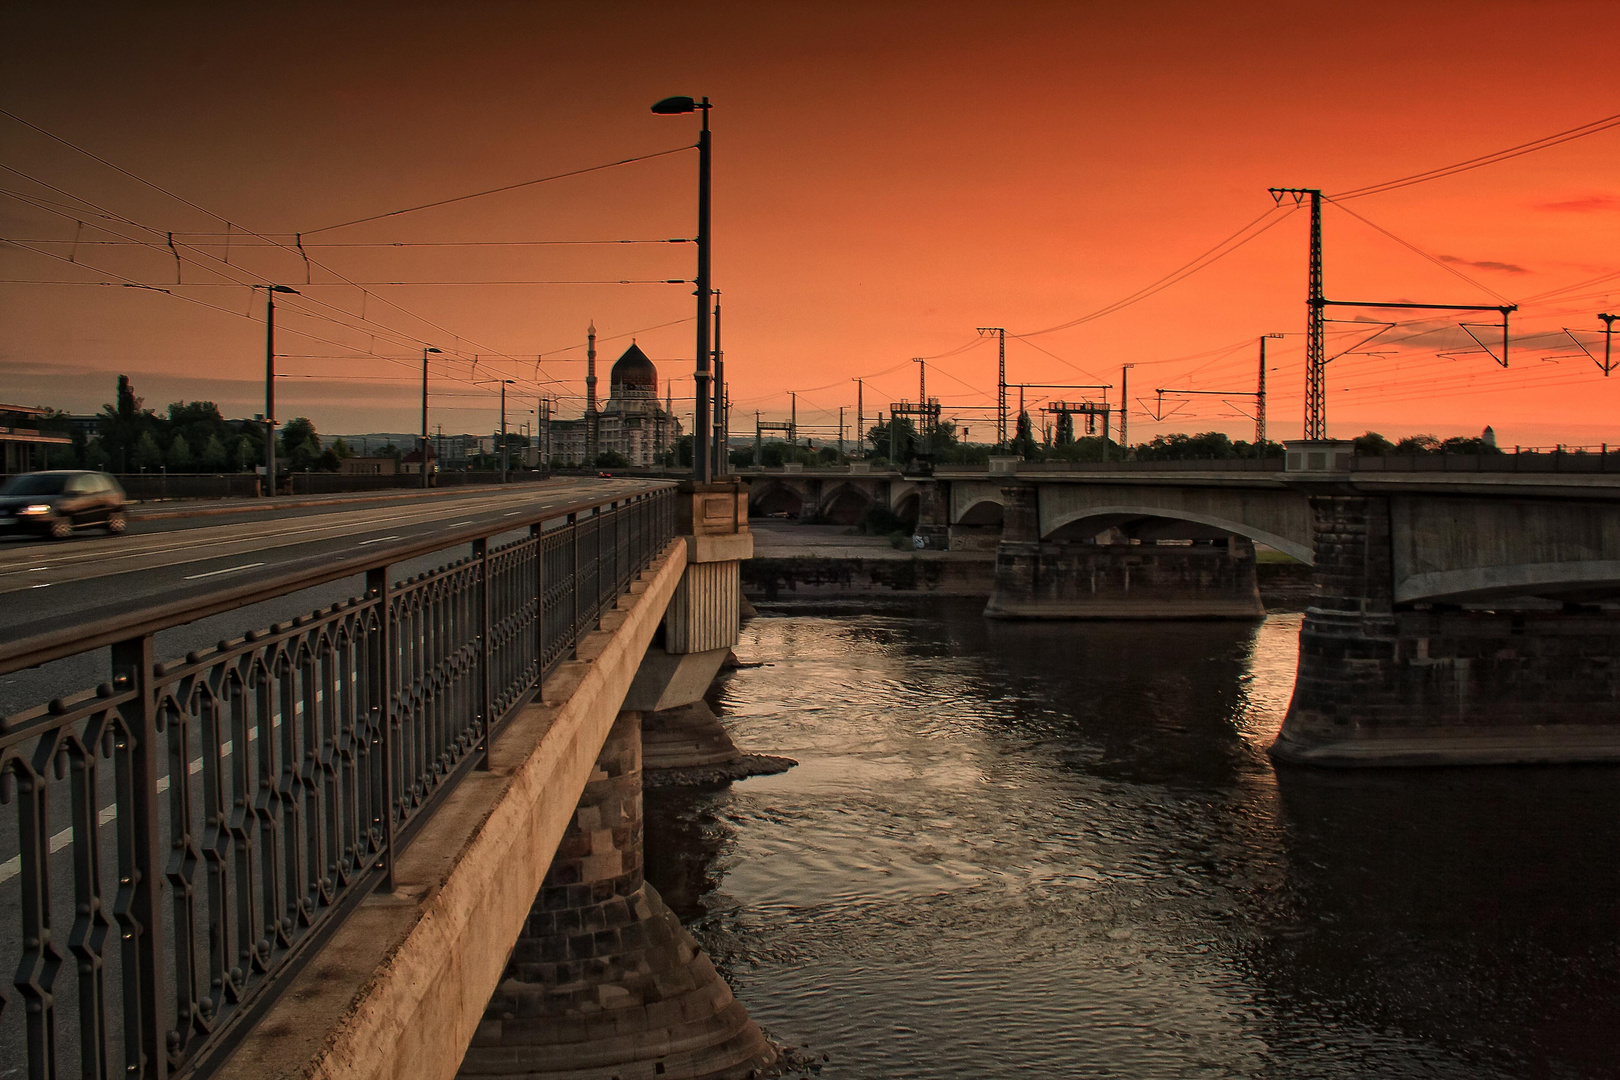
(162, 509)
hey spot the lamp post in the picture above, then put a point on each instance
(270, 382)
(504, 384)
(702, 470)
(425, 350)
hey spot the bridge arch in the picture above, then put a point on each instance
(776, 498)
(986, 511)
(845, 504)
(1106, 516)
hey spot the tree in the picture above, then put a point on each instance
(609, 459)
(180, 459)
(245, 454)
(146, 454)
(1418, 444)
(96, 457)
(329, 461)
(1373, 444)
(297, 431)
(123, 423)
(341, 449)
(215, 457)
(304, 455)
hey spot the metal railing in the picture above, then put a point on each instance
(187, 833)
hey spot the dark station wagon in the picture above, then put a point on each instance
(56, 503)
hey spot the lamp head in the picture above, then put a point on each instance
(284, 288)
(673, 106)
(430, 348)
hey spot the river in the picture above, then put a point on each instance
(1015, 849)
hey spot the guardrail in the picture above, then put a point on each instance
(220, 814)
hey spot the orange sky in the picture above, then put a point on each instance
(887, 178)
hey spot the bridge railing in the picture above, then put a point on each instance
(183, 836)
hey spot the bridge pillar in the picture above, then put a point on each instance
(604, 980)
(934, 513)
(1387, 684)
(1038, 579)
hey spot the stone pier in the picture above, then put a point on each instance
(1382, 683)
(604, 981)
(1071, 579)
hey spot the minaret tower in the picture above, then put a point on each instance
(590, 396)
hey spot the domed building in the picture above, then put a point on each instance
(632, 423)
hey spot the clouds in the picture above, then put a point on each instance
(1485, 264)
(1584, 204)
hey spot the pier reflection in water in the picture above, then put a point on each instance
(1061, 848)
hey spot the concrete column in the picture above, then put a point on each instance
(603, 980)
(934, 513)
(1020, 513)
(1437, 685)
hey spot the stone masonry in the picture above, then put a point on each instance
(1427, 684)
(603, 981)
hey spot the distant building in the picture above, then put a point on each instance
(23, 447)
(411, 463)
(369, 466)
(632, 423)
(1489, 438)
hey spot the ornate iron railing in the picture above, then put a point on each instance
(186, 833)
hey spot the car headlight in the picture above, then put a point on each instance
(36, 508)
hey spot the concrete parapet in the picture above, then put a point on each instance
(603, 980)
(1428, 685)
(1125, 581)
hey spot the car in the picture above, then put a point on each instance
(604, 474)
(57, 502)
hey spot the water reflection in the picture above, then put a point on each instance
(1061, 848)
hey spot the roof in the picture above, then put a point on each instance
(634, 369)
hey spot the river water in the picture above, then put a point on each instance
(1017, 849)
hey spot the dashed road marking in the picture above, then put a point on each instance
(227, 570)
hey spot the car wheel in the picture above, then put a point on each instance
(61, 528)
(116, 523)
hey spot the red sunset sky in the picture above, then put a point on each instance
(888, 176)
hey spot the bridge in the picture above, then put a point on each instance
(397, 835)
(1459, 615)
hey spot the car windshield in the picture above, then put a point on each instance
(34, 484)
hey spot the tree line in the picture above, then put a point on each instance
(191, 436)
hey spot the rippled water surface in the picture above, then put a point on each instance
(1060, 849)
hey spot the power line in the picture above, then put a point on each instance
(1530, 147)
(497, 190)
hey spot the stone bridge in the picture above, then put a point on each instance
(1456, 617)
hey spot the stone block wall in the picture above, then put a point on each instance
(1062, 580)
(1382, 686)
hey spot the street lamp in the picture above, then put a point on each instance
(425, 350)
(504, 384)
(702, 470)
(270, 382)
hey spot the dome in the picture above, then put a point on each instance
(633, 371)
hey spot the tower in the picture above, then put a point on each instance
(590, 395)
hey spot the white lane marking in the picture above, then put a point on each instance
(455, 524)
(227, 570)
(43, 585)
(512, 513)
(109, 813)
(37, 569)
(376, 540)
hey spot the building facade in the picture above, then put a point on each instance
(632, 423)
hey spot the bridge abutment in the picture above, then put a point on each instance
(1067, 580)
(1387, 684)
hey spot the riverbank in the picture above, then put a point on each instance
(793, 561)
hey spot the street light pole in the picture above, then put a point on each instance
(702, 471)
(270, 383)
(504, 384)
(425, 350)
